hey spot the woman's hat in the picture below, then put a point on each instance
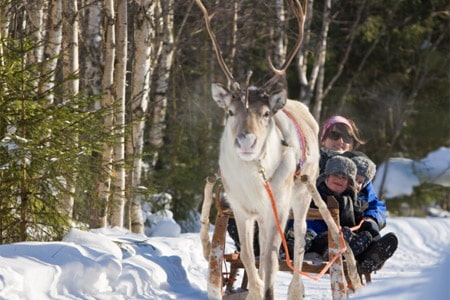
(334, 120)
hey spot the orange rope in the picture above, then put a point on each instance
(283, 240)
(354, 228)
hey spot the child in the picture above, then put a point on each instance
(381, 248)
(338, 181)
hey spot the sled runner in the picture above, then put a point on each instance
(224, 267)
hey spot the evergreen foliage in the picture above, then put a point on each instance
(45, 148)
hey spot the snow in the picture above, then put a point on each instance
(115, 264)
(404, 174)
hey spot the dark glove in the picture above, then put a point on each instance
(372, 227)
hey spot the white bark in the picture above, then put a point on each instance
(318, 71)
(36, 17)
(52, 49)
(70, 68)
(118, 207)
(140, 87)
(91, 41)
(279, 34)
(104, 188)
(4, 24)
(165, 35)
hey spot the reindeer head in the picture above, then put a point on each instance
(250, 109)
(249, 117)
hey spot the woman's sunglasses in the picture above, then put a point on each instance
(334, 135)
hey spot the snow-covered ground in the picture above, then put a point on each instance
(116, 264)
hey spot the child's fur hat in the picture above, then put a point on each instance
(365, 167)
(341, 165)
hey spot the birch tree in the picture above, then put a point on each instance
(120, 68)
(140, 88)
(104, 187)
(52, 48)
(35, 12)
(162, 72)
(279, 36)
(70, 69)
(91, 38)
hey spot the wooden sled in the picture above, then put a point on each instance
(224, 267)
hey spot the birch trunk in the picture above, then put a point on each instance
(91, 78)
(4, 26)
(70, 67)
(91, 75)
(140, 86)
(117, 209)
(52, 49)
(280, 37)
(318, 72)
(35, 12)
(162, 73)
(104, 188)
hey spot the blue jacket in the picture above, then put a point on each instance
(377, 208)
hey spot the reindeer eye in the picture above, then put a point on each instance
(266, 114)
(230, 113)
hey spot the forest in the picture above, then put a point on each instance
(105, 105)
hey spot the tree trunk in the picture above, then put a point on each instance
(302, 56)
(91, 77)
(35, 12)
(162, 73)
(70, 64)
(117, 208)
(140, 88)
(318, 71)
(279, 36)
(52, 49)
(104, 188)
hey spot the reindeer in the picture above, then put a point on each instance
(267, 139)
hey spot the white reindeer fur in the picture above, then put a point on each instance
(243, 184)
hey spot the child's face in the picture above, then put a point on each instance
(337, 183)
(359, 182)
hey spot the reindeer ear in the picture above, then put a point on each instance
(277, 100)
(221, 95)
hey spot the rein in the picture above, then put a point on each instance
(283, 239)
(301, 138)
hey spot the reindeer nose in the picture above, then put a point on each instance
(242, 135)
(246, 141)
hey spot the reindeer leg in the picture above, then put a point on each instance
(300, 207)
(245, 225)
(269, 264)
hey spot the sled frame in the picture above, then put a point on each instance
(224, 267)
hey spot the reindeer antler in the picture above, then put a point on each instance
(222, 64)
(299, 11)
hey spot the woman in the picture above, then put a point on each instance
(338, 135)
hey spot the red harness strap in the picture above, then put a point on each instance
(301, 138)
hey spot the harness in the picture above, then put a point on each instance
(301, 138)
